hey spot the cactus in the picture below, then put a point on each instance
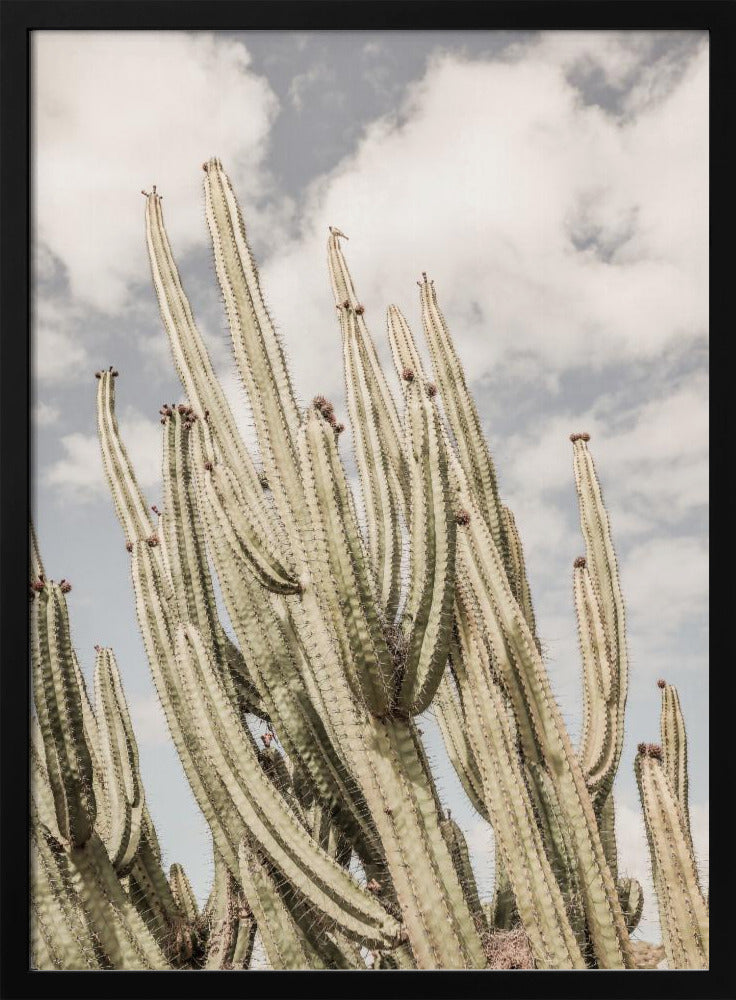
(332, 837)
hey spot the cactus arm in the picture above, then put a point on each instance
(382, 493)
(266, 634)
(461, 860)
(119, 749)
(222, 492)
(340, 568)
(182, 892)
(59, 707)
(606, 813)
(195, 369)
(517, 574)
(449, 716)
(674, 746)
(383, 402)
(501, 912)
(462, 415)
(130, 505)
(61, 937)
(600, 743)
(432, 555)
(403, 346)
(282, 939)
(541, 728)
(601, 562)
(538, 898)
(264, 814)
(632, 902)
(124, 937)
(683, 914)
(258, 352)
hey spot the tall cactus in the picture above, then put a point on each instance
(333, 838)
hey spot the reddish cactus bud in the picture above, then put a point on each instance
(267, 739)
(373, 886)
(115, 373)
(574, 437)
(346, 304)
(661, 683)
(359, 310)
(208, 466)
(65, 586)
(38, 584)
(339, 428)
(152, 541)
(407, 375)
(642, 749)
(325, 407)
(462, 518)
(182, 408)
(129, 546)
(579, 562)
(263, 480)
(655, 751)
(431, 390)
(585, 436)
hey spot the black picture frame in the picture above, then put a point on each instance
(19, 18)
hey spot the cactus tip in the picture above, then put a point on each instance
(661, 683)
(359, 310)
(579, 562)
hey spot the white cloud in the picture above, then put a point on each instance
(487, 176)
(44, 414)
(79, 473)
(115, 112)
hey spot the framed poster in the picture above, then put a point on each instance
(368, 621)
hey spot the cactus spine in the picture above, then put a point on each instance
(332, 837)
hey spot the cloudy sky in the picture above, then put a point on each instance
(554, 186)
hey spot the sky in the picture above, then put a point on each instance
(555, 187)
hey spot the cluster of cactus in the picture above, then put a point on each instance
(331, 837)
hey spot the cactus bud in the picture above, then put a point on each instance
(208, 466)
(407, 375)
(129, 546)
(359, 310)
(152, 541)
(263, 480)
(585, 436)
(431, 390)
(661, 683)
(346, 304)
(65, 586)
(373, 886)
(339, 428)
(642, 749)
(182, 408)
(462, 517)
(655, 751)
(38, 584)
(267, 739)
(579, 562)
(98, 374)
